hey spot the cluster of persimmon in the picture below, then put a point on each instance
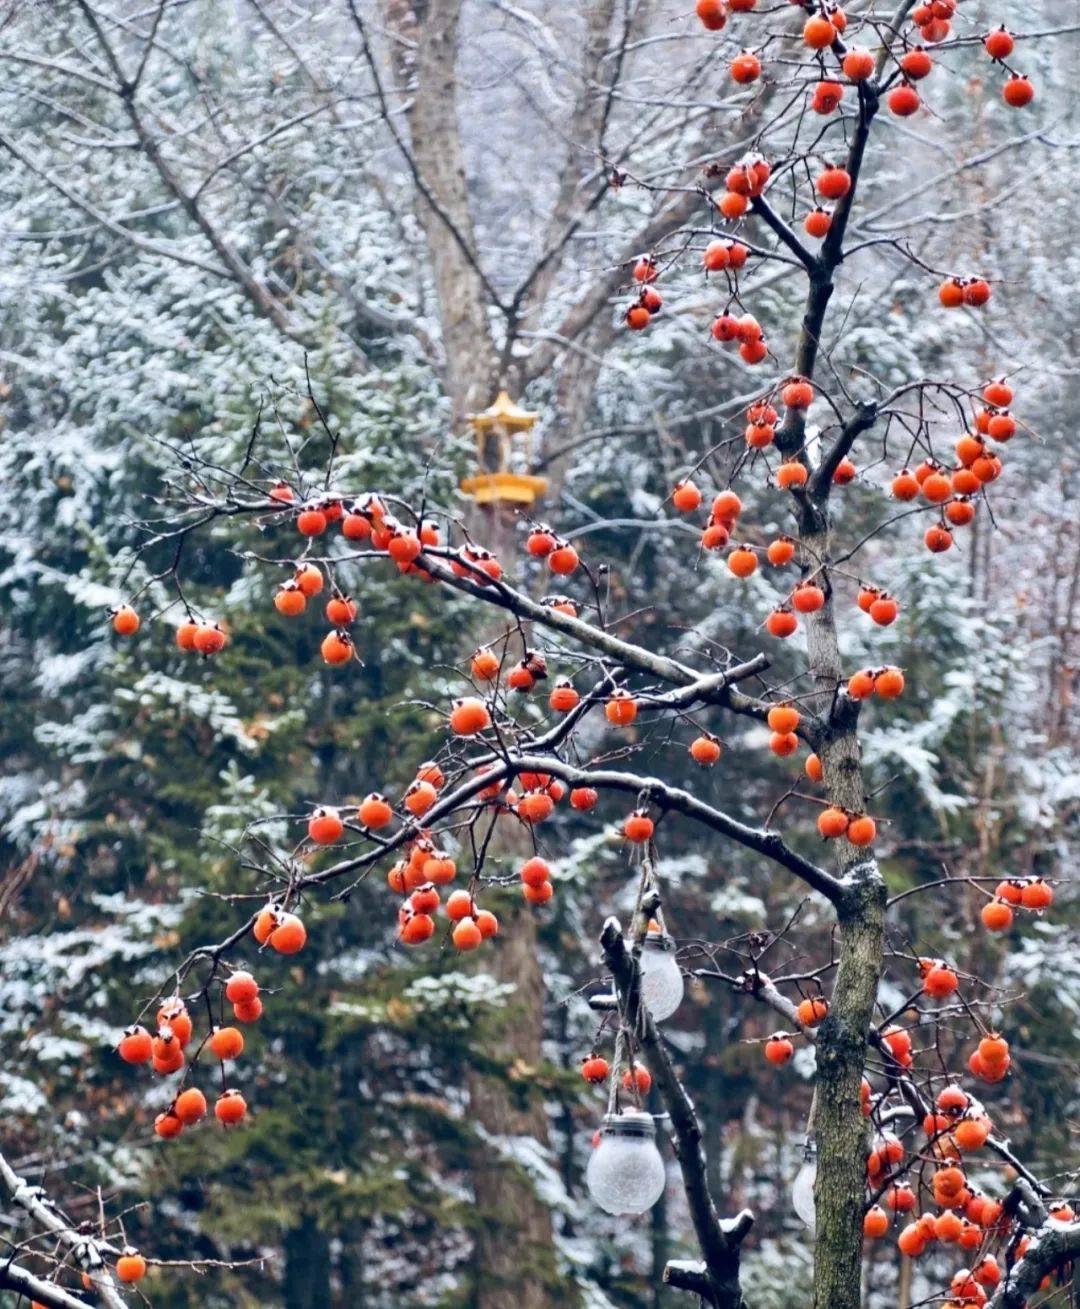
(977, 465)
(810, 1011)
(205, 638)
(1032, 893)
(596, 1070)
(165, 1051)
(896, 72)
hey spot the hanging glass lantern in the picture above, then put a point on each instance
(802, 1189)
(662, 985)
(626, 1173)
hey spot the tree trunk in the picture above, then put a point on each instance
(515, 1252)
(839, 1126)
(307, 1266)
(424, 60)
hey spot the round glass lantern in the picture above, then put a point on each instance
(626, 1173)
(662, 985)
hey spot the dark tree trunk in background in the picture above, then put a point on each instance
(515, 1253)
(307, 1266)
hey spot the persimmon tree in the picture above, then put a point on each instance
(897, 1124)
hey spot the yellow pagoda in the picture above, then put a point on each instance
(498, 481)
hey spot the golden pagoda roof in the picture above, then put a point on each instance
(506, 413)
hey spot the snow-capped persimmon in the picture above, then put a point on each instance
(325, 826)
(705, 750)
(807, 598)
(131, 1266)
(535, 806)
(712, 13)
(466, 935)
(135, 1046)
(125, 621)
(951, 293)
(537, 895)
(818, 32)
(185, 635)
(425, 899)
(355, 527)
(621, 708)
(311, 521)
(309, 578)
(583, 798)
(996, 916)
(209, 638)
(190, 1106)
(638, 827)
(289, 599)
(742, 561)
(168, 1125)
(241, 988)
(781, 623)
(817, 223)
(341, 610)
(875, 1222)
(1037, 894)
(419, 798)
(940, 982)
(861, 830)
(640, 1080)
(792, 474)
(778, 1049)
(375, 811)
(336, 648)
(781, 551)
(832, 822)
(595, 1069)
(861, 684)
(469, 716)
(812, 1010)
(833, 183)
(883, 610)
(563, 560)
(686, 497)
(726, 507)
(173, 1014)
(563, 696)
(889, 683)
(745, 68)
(227, 1042)
(230, 1107)
(1017, 91)
(289, 936)
(416, 929)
